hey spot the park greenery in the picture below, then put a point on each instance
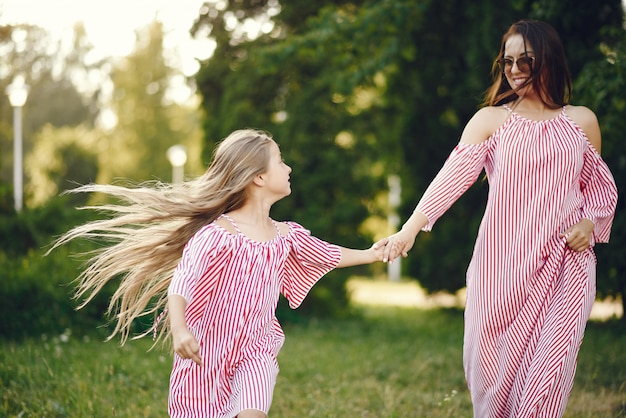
(353, 91)
(356, 91)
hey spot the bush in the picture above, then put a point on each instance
(37, 290)
(37, 296)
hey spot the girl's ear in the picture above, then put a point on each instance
(259, 180)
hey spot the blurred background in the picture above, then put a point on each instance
(365, 98)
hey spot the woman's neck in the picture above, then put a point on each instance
(534, 108)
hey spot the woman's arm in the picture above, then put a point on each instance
(458, 172)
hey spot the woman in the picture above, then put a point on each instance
(531, 280)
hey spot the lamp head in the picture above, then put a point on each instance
(177, 154)
(17, 91)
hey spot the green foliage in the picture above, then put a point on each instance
(434, 101)
(401, 78)
(37, 296)
(53, 97)
(582, 26)
(251, 84)
(138, 144)
(62, 158)
(599, 87)
(37, 290)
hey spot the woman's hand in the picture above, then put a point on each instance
(402, 241)
(579, 235)
(398, 244)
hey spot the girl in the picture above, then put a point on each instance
(531, 280)
(209, 249)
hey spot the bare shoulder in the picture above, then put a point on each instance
(586, 119)
(582, 115)
(226, 225)
(484, 123)
(283, 227)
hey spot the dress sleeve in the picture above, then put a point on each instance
(459, 172)
(309, 259)
(204, 255)
(600, 194)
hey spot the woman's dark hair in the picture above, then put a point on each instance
(550, 74)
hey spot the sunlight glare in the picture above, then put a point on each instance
(110, 25)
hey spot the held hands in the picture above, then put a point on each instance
(378, 249)
(579, 235)
(186, 345)
(395, 245)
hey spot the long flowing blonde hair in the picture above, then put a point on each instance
(146, 232)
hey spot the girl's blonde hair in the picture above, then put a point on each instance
(146, 233)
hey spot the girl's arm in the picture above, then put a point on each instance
(352, 257)
(184, 342)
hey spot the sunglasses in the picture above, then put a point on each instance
(524, 64)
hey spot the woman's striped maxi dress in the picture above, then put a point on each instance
(528, 295)
(232, 286)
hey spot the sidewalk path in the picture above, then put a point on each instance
(408, 293)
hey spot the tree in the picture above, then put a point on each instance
(433, 80)
(334, 169)
(437, 88)
(54, 99)
(146, 120)
(61, 159)
(399, 77)
(599, 87)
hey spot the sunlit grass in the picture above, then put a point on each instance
(73, 376)
(394, 362)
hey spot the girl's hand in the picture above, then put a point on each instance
(579, 235)
(379, 248)
(186, 345)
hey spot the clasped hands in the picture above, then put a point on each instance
(394, 246)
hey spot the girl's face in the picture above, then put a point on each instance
(277, 173)
(517, 64)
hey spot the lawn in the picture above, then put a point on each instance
(392, 362)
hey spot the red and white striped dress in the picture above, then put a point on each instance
(232, 285)
(529, 295)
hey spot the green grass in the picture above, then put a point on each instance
(394, 362)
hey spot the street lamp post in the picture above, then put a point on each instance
(394, 270)
(18, 93)
(177, 154)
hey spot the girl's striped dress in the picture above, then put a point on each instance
(529, 295)
(232, 285)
